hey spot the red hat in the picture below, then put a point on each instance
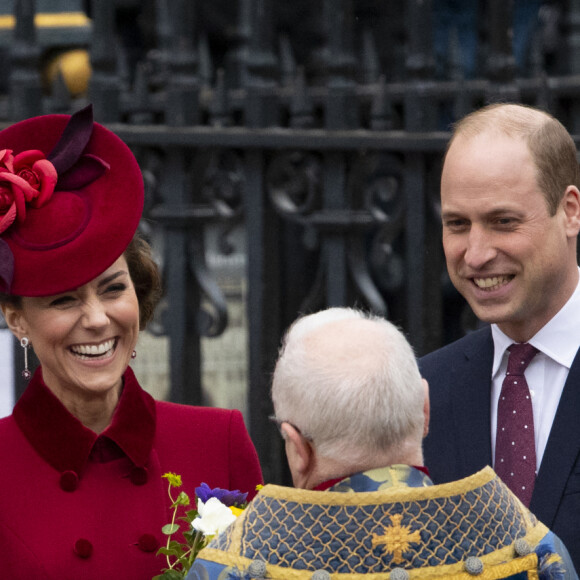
(71, 196)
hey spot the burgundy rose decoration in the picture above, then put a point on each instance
(25, 179)
(29, 178)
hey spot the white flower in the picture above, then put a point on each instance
(214, 517)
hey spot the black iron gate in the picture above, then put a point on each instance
(317, 127)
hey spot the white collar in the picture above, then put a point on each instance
(558, 339)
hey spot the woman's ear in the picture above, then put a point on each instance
(14, 320)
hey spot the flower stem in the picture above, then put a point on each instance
(196, 546)
(172, 522)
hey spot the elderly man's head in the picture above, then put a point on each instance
(347, 385)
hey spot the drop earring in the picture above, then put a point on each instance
(134, 354)
(25, 344)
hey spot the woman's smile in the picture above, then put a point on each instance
(99, 351)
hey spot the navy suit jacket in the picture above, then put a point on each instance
(459, 440)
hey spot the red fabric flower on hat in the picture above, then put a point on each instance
(26, 178)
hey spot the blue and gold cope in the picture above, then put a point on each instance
(390, 524)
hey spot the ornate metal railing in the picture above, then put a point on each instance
(329, 162)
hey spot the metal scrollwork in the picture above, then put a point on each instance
(315, 298)
(386, 263)
(374, 262)
(151, 163)
(361, 275)
(222, 181)
(294, 183)
(222, 187)
(212, 316)
(383, 199)
(369, 227)
(433, 195)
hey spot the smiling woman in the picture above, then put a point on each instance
(84, 339)
(85, 439)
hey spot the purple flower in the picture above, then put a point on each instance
(227, 497)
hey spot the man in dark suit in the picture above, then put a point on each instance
(511, 215)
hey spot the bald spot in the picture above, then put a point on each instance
(511, 120)
(356, 343)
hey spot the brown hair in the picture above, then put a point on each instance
(552, 148)
(144, 274)
(11, 299)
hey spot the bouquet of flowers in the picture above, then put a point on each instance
(215, 509)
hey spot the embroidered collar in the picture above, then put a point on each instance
(383, 478)
(379, 475)
(65, 443)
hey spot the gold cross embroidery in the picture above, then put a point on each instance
(397, 538)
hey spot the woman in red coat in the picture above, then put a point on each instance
(82, 455)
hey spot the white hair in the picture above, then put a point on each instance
(349, 381)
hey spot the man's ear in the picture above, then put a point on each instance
(14, 320)
(571, 204)
(299, 453)
(426, 408)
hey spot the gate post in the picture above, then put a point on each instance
(104, 86)
(420, 115)
(24, 80)
(181, 111)
(262, 234)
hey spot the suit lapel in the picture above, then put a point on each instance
(561, 451)
(472, 402)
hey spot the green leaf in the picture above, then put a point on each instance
(182, 499)
(190, 515)
(169, 529)
(177, 546)
(170, 575)
(169, 552)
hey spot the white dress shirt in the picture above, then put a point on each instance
(557, 343)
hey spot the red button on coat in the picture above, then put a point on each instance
(148, 543)
(69, 480)
(139, 475)
(83, 548)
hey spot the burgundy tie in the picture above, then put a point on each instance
(515, 450)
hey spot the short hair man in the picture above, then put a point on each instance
(510, 208)
(353, 410)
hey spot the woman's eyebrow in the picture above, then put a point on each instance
(110, 278)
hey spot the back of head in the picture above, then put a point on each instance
(350, 382)
(552, 148)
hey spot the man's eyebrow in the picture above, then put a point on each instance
(488, 214)
(451, 213)
(502, 210)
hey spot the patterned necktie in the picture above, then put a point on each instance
(515, 450)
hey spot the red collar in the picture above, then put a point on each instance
(65, 443)
(422, 468)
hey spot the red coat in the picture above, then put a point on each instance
(77, 506)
